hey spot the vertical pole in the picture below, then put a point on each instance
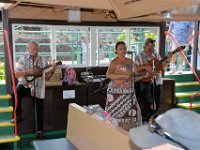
(195, 46)
(7, 67)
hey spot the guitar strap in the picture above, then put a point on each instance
(140, 59)
(154, 56)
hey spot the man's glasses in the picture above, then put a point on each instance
(156, 128)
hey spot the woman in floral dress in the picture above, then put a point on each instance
(121, 102)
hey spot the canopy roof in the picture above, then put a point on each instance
(123, 10)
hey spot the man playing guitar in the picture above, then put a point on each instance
(31, 64)
(144, 58)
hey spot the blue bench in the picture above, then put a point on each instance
(54, 144)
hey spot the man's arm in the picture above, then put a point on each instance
(50, 73)
(20, 69)
(20, 74)
(168, 60)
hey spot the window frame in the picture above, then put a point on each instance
(92, 26)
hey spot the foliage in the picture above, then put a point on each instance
(122, 37)
(2, 71)
(151, 35)
(134, 37)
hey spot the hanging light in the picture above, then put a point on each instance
(168, 15)
(74, 15)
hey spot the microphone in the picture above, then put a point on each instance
(33, 54)
(152, 50)
(130, 52)
(34, 58)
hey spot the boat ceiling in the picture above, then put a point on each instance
(120, 10)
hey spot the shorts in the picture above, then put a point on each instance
(174, 46)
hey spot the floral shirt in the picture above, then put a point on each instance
(143, 59)
(25, 63)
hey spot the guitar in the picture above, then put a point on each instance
(158, 66)
(30, 78)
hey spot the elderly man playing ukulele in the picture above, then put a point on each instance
(150, 87)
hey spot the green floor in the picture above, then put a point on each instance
(186, 87)
(25, 142)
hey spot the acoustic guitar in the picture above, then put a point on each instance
(157, 64)
(30, 78)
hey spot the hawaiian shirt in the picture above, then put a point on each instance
(143, 59)
(25, 63)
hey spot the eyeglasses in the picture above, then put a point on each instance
(156, 128)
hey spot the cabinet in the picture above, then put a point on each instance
(56, 108)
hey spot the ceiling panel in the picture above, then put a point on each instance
(94, 4)
(135, 8)
(131, 10)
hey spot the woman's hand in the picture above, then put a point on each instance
(127, 76)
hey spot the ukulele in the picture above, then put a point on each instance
(158, 66)
(143, 74)
(30, 78)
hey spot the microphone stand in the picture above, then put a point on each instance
(132, 80)
(35, 105)
(154, 86)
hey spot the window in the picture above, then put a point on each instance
(2, 55)
(181, 32)
(23, 34)
(68, 44)
(107, 38)
(134, 38)
(139, 34)
(79, 46)
(72, 45)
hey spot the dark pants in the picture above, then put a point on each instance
(150, 92)
(157, 95)
(23, 92)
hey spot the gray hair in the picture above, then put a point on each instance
(33, 42)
